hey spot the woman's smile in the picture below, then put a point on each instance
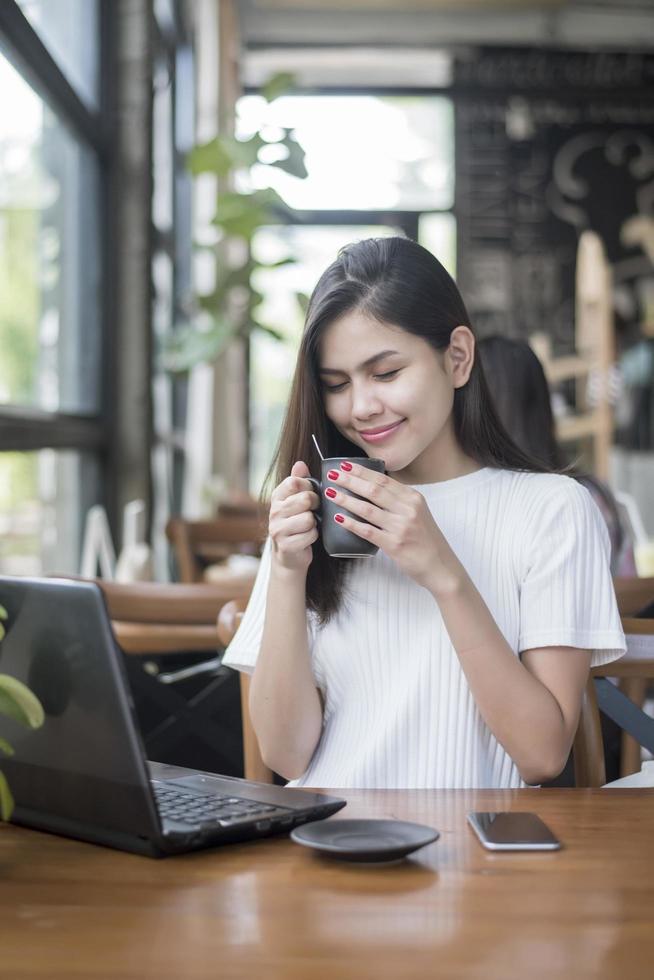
(380, 433)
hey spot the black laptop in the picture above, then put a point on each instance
(84, 773)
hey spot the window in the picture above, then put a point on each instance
(49, 257)
(52, 441)
(377, 165)
(363, 152)
(70, 31)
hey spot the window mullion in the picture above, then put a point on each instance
(25, 49)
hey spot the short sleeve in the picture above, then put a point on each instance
(242, 652)
(566, 594)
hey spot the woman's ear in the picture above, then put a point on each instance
(461, 355)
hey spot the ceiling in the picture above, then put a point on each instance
(585, 24)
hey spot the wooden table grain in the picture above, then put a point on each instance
(276, 910)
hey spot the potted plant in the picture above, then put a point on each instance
(17, 702)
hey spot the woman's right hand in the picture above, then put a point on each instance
(292, 526)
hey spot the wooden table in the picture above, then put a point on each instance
(276, 910)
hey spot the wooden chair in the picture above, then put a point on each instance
(588, 747)
(593, 357)
(152, 619)
(634, 672)
(197, 544)
(633, 594)
(229, 620)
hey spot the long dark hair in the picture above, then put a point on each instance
(395, 281)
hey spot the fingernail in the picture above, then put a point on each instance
(346, 466)
(339, 518)
(332, 475)
(330, 492)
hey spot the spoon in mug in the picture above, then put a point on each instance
(315, 442)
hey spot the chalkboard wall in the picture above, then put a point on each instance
(550, 143)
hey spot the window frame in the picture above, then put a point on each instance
(24, 428)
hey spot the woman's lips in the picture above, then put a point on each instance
(380, 436)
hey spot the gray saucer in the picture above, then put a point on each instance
(364, 840)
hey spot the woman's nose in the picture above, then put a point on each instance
(365, 402)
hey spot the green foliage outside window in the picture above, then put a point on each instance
(229, 311)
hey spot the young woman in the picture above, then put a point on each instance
(458, 655)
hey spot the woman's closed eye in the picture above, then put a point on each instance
(386, 376)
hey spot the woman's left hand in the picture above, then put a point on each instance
(401, 524)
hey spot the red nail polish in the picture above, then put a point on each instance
(332, 475)
(346, 466)
(339, 518)
(330, 492)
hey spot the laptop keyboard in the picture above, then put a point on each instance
(197, 809)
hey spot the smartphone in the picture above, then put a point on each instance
(513, 831)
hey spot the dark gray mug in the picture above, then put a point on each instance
(336, 540)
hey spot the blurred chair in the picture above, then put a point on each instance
(229, 620)
(623, 704)
(151, 620)
(200, 544)
(633, 594)
(592, 363)
(588, 746)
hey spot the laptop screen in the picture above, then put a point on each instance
(86, 763)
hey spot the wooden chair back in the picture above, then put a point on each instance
(197, 544)
(633, 594)
(229, 620)
(153, 618)
(588, 747)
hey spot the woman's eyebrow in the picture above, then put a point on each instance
(364, 364)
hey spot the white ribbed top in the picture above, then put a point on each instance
(398, 709)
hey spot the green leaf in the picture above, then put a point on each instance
(190, 346)
(18, 702)
(276, 265)
(269, 330)
(3, 613)
(3, 632)
(245, 153)
(223, 154)
(256, 298)
(269, 198)
(280, 83)
(303, 301)
(6, 799)
(242, 214)
(6, 747)
(212, 157)
(292, 164)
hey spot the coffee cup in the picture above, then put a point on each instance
(337, 541)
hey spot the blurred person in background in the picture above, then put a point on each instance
(522, 399)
